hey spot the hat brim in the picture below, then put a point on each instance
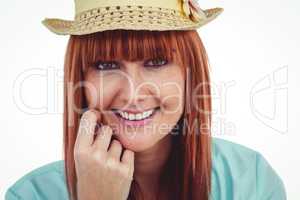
(135, 21)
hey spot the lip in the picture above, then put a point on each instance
(137, 123)
(131, 111)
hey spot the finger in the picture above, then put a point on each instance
(86, 130)
(115, 149)
(103, 138)
(128, 161)
(128, 157)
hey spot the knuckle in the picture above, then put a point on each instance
(112, 164)
(98, 153)
(98, 158)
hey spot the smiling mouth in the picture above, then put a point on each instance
(137, 117)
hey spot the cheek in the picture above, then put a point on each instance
(172, 100)
(172, 95)
(99, 93)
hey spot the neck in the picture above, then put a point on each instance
(149, 164)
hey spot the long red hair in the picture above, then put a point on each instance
(187, 173)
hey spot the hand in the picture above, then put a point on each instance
(101, 172)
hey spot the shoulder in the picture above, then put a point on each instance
(44, 182)
(240, 172)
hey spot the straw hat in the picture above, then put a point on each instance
(100, 15)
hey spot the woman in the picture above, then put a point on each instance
(136, 125)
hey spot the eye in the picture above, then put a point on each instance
(106, 65)
(156, 62)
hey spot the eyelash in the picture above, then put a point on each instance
(115, 64)
(96, 65)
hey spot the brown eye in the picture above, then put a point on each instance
(156, 62)
(106, 65)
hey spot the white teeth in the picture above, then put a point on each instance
(146, 114)
(131, 116)
(139, 116)
(123, 114)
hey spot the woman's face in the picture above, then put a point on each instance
(142, 101)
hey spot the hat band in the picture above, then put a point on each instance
(84, 5)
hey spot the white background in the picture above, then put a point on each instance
(253, 48)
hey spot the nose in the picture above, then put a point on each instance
(135, 87)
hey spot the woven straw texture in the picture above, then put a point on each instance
(129, 18)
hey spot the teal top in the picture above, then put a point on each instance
(238, 173)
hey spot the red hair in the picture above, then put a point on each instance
(187, 173)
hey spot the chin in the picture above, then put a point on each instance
(141, 137)
(137, 141)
